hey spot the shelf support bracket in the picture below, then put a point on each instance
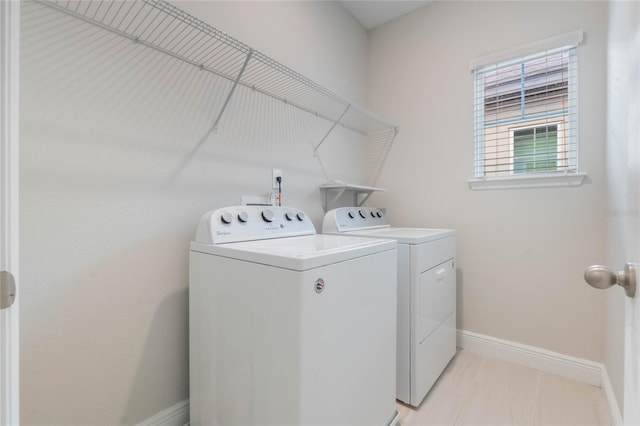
(204, 138)
(335, 123)
(365, 198)
(230, 95)
(338, 194)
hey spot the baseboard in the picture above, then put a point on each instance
(176, 415)
(614, 408)
(579, 369)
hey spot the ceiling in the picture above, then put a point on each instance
(372, 13)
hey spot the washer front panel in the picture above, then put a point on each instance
(268, 348)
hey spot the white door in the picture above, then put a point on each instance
(9, 55)
(623, 170)
(631, 414)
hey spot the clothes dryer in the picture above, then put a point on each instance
(288, 327)
(426, 337)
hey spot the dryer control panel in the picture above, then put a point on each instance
(353, 218)
(247, 223)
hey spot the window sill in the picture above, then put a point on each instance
(546, 180)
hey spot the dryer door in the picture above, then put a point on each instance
(437, 298)
(435, 338)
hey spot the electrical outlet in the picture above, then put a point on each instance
(277, 173)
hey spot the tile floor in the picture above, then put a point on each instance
(475, 390)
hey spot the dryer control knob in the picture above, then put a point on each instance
(243, 217)
(379, 213)
(362, 214)
(289, 216)
(268, 215)
(226, 217)
(351, 215)
(300, 216)
(373, 214)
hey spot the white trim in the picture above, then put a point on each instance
(478, 123)
(614, 408)
(579, 369)
(573, 38)
(529, 180)
(9, 215)
(176, 415)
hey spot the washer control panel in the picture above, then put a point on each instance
(352, 218)
(247, 223)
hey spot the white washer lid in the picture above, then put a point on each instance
(298, 253)
(404, 235)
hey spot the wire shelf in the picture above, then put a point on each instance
(161, 26)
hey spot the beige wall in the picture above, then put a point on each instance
(107, 214)
(521, 253)
(108, 208)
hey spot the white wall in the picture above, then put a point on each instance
(521, 253)
(109, 203)
(622, 162)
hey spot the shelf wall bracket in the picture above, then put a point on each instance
(364, 199)
(204, 138)
(230, 95)
(324, 171)
(335, 123)
(326, 203)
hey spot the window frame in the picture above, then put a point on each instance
(567, 177)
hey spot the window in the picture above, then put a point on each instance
(526, 113)
(535, 149)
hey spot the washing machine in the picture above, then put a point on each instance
(289, 327)
(426, 337)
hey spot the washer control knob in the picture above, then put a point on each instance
(226, 217)
(379, 213)
(268, 215)
(289, 216)
(351, 215)
(361, 213)
(243, 217)
(300, 216)
(373, 214)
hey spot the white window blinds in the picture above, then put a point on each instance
(526, 116)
